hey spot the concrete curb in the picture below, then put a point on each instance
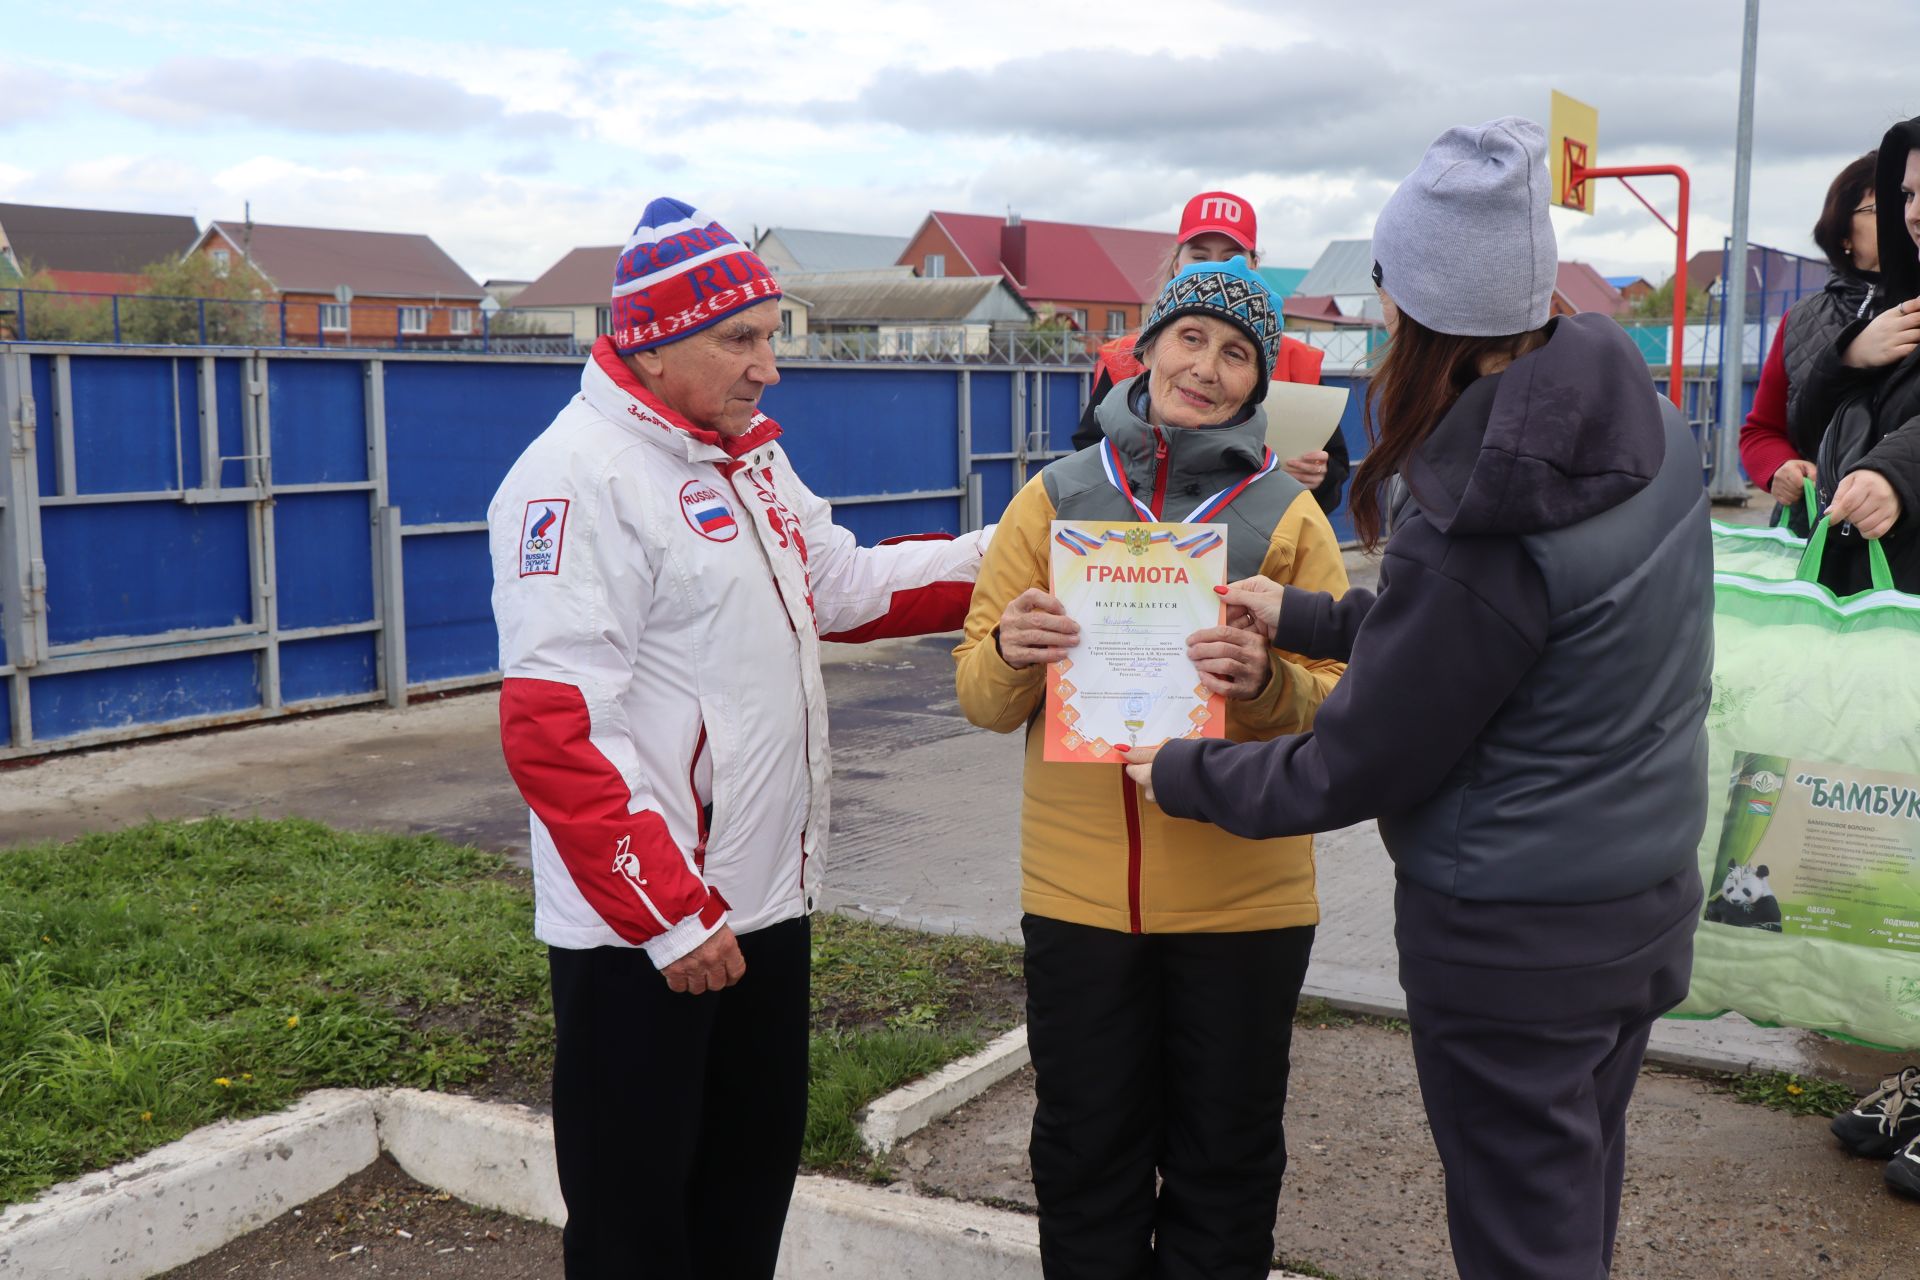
(914, 1106)
(192, 1196)
(497, 1155)
(843, 1228)
(218, 1183)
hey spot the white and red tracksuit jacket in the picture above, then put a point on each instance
(661, 592)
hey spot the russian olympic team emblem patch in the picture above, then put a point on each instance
(542, 531)
(707, 512)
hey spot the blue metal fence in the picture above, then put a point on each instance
(193, 536)
(196, 536)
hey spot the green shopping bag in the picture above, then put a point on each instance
(1762, 553)
(1811, 855)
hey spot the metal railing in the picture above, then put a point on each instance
(121, 319)
(943, 345)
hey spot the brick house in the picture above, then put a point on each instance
(403, 288)
(1101, 278)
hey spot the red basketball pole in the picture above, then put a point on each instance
(1578, 173)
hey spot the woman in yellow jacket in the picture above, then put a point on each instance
(1163, 957)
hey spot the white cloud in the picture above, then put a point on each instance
(316, 95)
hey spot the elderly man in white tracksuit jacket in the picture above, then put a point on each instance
(662, 582)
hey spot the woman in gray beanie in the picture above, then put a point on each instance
(1524, 706)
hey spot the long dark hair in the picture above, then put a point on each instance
(1422, 373)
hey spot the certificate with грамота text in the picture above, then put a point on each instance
(1138, 591)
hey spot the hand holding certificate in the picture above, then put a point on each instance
(1138, 591)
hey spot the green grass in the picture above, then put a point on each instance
(1785, 1092)
(155, 979)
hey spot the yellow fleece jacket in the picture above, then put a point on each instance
(1092, 850)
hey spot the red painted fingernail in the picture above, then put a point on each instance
(1118, 747)
(1219, 591)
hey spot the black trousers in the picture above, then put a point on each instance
(1530, 1120)
(677, 1119)
(1159, 1054)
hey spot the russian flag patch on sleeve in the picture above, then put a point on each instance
(542, 532)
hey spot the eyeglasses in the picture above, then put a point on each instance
(1376, 275)
(1868, 208)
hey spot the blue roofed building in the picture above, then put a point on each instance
(1283, 281)
(796, 250)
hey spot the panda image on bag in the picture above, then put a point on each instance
(1746, 900)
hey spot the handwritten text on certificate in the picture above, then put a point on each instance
(1137, 591)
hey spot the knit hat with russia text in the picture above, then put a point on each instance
(680, 272)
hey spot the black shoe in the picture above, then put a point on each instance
(1885, 1120)
(1903, 1171)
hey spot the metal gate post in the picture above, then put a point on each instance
(390, 600)
(257, 445)
(23, 568)
(963, 431)
(393, 608)
(1019, 431)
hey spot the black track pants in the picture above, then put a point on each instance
(677, 1119)
(1159, 1054)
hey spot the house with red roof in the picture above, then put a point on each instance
(1101, 278)
(1578, 288)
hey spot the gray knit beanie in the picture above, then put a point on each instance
(1464, 245)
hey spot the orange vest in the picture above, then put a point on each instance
(1295, 361)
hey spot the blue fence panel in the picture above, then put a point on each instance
(6, 709)
(992, 403)
(79, 702)
(1063, 395)
(319, 421)
(852, 432)
(138, 569)
(327, 667)
(449, 582)
(323, 546)
(123, 437)
(229, 398)
(454, 427)
(40, 380)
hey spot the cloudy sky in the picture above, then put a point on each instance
(513, 131)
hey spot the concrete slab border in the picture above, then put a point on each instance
(190, 1197)
(218, 1183)
(915, 1105)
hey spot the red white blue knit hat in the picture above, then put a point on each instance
(680, 272)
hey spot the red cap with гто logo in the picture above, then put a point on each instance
(1219, 211)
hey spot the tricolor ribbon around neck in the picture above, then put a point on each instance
(1208, 508)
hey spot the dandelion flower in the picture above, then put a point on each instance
(223, 1082)
(1795, 1090)
(45, 938)
(146, 1117)
(293, 1021)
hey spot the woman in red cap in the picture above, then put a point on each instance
(1215, 226)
